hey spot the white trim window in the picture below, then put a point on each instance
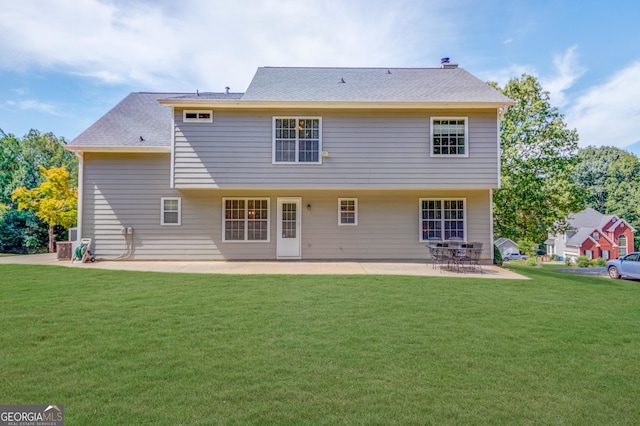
(171, 211)
(622, 245)
(297, 140)
(449, 136)
(245, 219)
(347, 212)
(443, 219)
(197, 116)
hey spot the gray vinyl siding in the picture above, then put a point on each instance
(125, 191)
(367, 149)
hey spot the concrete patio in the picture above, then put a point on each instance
(269, 267)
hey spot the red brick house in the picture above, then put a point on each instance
(594, 235)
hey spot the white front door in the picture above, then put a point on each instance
(289, 238)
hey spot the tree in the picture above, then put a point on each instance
(623, 193)
(23, 232)
(611, 178)
(538, 157)
(592, 173)
(54, 201)
(20, 158)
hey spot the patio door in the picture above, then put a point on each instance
(289, 238)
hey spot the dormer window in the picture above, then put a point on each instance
(197, 116)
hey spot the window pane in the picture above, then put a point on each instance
(234, 230)
(289, 222)
(285, 150)
(308, 151)
(171, 205)
(170, 217)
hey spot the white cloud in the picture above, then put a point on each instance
(207, 45)
(567, 71)
(609, 114)
(33, 105)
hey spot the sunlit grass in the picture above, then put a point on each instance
(147, 348)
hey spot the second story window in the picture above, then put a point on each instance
(297, 140)
(449, 136)
(197, 116)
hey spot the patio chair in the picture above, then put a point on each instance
(476, 255)
(437, 254)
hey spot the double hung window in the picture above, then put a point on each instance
(245, 219)
(449, 136)
(442, 219)
(622, 245)
(297, 140)
(348, 211)
(170, 211)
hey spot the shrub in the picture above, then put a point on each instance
(568, 261)
(601, 261)
(532, 261)
(497, 256)
(583, 262)
(554, 257)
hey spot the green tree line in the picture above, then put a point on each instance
(22, 161)
(545, 176)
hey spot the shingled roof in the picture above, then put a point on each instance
(370, 85)
(138, 121)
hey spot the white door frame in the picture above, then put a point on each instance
(289, 242)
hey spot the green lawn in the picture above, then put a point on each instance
(147, 348)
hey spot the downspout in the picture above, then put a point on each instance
(80, 156)
(172, 179)
(491, 223)
(500, 112)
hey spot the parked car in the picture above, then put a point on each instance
(628, 266)
(515, 256)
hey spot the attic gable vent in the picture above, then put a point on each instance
(197, 116)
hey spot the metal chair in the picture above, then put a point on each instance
(437, 254)
(476, 255)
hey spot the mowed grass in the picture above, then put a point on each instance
(148, 348)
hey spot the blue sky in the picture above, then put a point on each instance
(65, 63)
